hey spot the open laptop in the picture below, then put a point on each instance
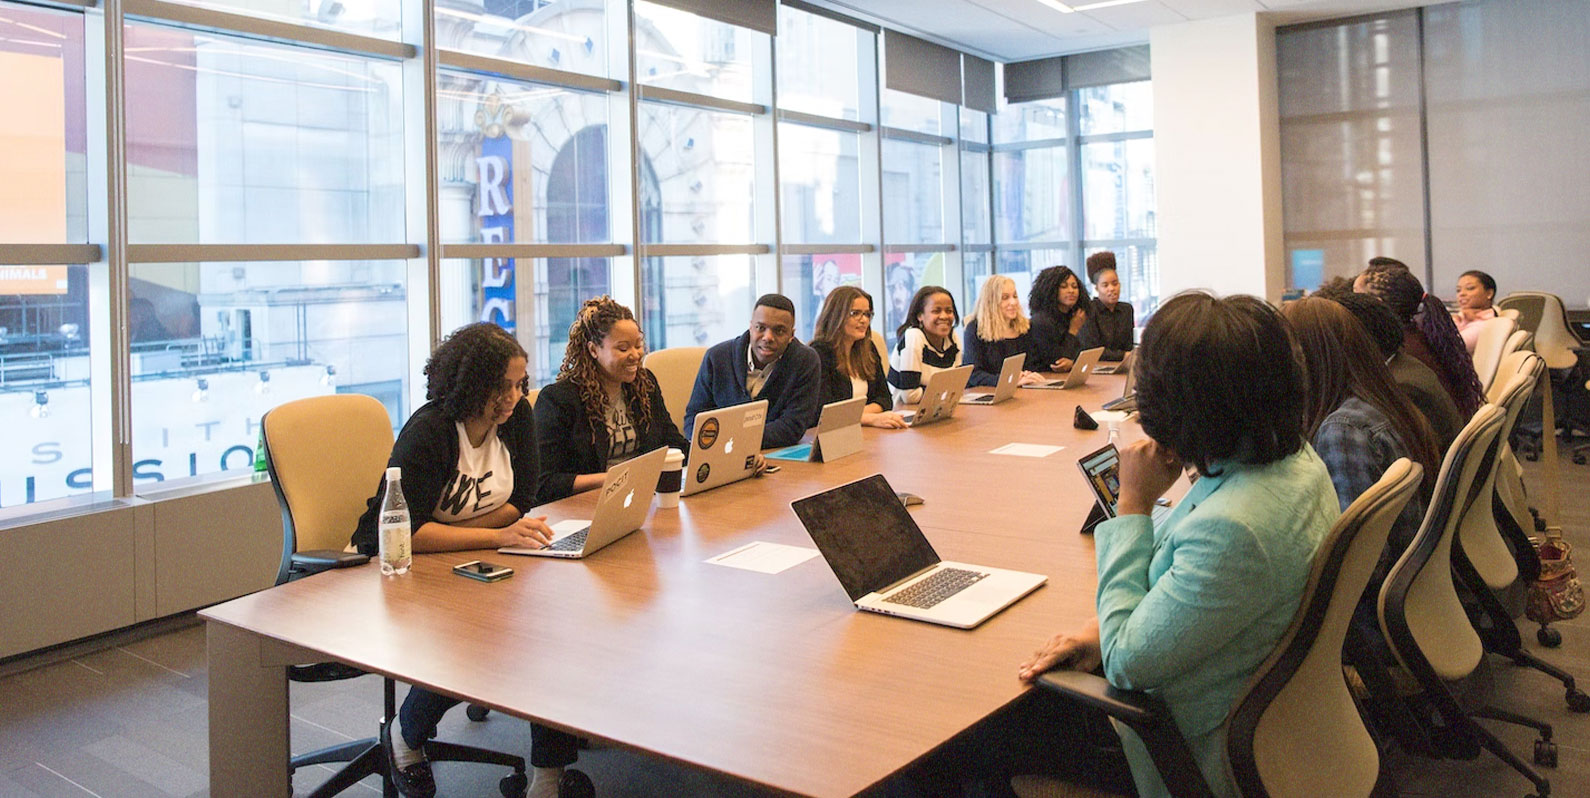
(1124, 366)
(723, 446)
(621, 509)
(1128, 400)
(1102, 470)
(838, 434)
(1078, 376)
(939, 396)
(886, 564)
(1005, 388)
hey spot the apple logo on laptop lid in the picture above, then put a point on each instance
(629, 499)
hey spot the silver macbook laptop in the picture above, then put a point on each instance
(1128, 400)
(1102, 470)
(723, 446)
(886, 564)
(1123, 367)
(939, 396)
(1005, 388)
(621, 509)
(1078, 376)
(838, 434)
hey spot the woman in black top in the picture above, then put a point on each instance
(1111, 322)
(469, 472)
(1059, 309)
(850, 363)
(604, 408)
(997, 330)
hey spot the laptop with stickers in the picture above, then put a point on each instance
(723, 446)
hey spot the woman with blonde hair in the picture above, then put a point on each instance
(850, 363)
(998, 329)
(604, 408)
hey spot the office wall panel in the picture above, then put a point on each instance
(66, 578)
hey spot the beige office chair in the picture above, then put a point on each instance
(1426, 625)
(675, 369)
(883, 349)
(326, 456)
(1297, 708)
(1478, 535)
(1492, 344)
(1544, 315)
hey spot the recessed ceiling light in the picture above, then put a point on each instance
(1105, 4)
(1058, 6)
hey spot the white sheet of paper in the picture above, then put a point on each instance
(1107, 416)
(764, 558)
(1026, 450)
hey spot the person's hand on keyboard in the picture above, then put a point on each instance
(530, 531)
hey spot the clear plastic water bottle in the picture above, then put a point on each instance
(394, 533)
(1115, 434)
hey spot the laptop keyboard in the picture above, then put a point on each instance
(944, 583)
(573, 542)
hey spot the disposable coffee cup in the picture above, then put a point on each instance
(671, 480)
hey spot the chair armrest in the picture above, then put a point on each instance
(1143, 713)
(1134, 708)
(317, 560)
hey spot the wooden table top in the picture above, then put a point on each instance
(775, 679)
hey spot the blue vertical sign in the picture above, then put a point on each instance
(494, 209)
(1308, 268)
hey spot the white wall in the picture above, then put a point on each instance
(1217, 150)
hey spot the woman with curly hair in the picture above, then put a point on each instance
(469, 465)
(604, 408)
(1427, 332)
(850, 363)
(1059, 305)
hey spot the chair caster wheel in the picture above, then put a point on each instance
(1545, 753)
(1578, 701)
(1548, 637)
(575, 784)
(514, 785)
(476, 712)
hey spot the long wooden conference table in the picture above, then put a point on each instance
(771, 678)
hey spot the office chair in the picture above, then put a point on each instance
(325, 456)
(1428, 629)
(1488, 351)
(1488, 561)
(1297, 707)
(883, 350)
(675, 369)
(1545, 316)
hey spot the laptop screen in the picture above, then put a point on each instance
(1103, 472)
(865, 534)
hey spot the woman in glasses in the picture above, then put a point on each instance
(469, 465)
(850, 363)
(604, 408)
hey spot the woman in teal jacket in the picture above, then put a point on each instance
(1190, 609)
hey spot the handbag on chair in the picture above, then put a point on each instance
(1556, 595)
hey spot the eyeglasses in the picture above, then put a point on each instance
(861, 314)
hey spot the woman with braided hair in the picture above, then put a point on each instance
(1428, 331)
(604, 408)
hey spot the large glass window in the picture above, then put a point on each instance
(819, 65)
(698, 168)
(913, 192)
(558, 34)
(42, 136)
(45, 382)
(488, 289)
(233, 141)
(695, 300)
(225, 342)
(1032, 192)
(913, 113)
(528, 163)
(678, 50)
(821, 185)
(377, 18)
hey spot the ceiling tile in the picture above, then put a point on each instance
(1135, 16)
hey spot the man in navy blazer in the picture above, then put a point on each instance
(765, 362)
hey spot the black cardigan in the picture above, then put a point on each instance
(427, 451)
(1110, 328)
(987, 357)
(837, 387)
(569, 448)
(1052, 338)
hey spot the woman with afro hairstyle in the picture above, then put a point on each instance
(469, 474)
(604, 408)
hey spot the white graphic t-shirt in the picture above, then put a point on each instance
(482, 480)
